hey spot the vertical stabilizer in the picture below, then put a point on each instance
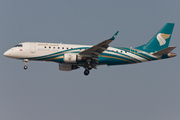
(160, 40)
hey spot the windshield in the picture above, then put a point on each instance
(19, 45)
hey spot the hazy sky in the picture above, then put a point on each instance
(145, 91)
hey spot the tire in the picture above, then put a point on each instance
(86, 72)
(25, 67)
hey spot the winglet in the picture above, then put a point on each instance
(114, 36)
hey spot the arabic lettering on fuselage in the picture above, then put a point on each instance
(48, 44)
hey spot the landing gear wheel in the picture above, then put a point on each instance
(86, 72)
(89, 67)
(25, 67)
(26, 62)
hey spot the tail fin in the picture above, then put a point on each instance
(160, 40)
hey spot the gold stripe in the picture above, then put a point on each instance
(144, 56)
(54, 58)
(50, 56)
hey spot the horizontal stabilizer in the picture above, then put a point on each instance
(165, 51)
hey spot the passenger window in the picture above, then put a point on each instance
(54, 47)
(49, 47)
(62, 47)
(58, 47)
(44, 46)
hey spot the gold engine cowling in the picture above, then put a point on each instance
(72, 57)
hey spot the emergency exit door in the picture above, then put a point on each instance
(33, 47)
(132, 51)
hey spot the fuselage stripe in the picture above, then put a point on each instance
(116, 58)
(137, 54)
(130, 59)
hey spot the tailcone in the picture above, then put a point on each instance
(172, 55)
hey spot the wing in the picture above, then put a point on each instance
(96, 50)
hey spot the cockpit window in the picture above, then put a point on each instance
(19, 45)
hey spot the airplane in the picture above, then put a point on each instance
(71, 57)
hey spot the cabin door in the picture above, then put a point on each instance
(132, 51)
(33, 47)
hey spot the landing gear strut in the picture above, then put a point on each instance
(89, 67)
(26, 62)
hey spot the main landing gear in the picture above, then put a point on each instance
(26, 62)
(86, 72)
(88, 68)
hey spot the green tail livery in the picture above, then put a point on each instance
(71, 56)
(160, 40)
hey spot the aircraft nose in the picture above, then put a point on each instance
(7, 53)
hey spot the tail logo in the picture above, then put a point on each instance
(161, 37)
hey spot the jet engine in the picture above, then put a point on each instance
(67, 67)
(72, 57)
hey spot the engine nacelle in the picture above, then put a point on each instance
(67, 67)
(72, 57)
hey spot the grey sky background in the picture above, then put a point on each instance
(146, 91)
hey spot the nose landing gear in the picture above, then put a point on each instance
(26, 62)
(25, 67)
